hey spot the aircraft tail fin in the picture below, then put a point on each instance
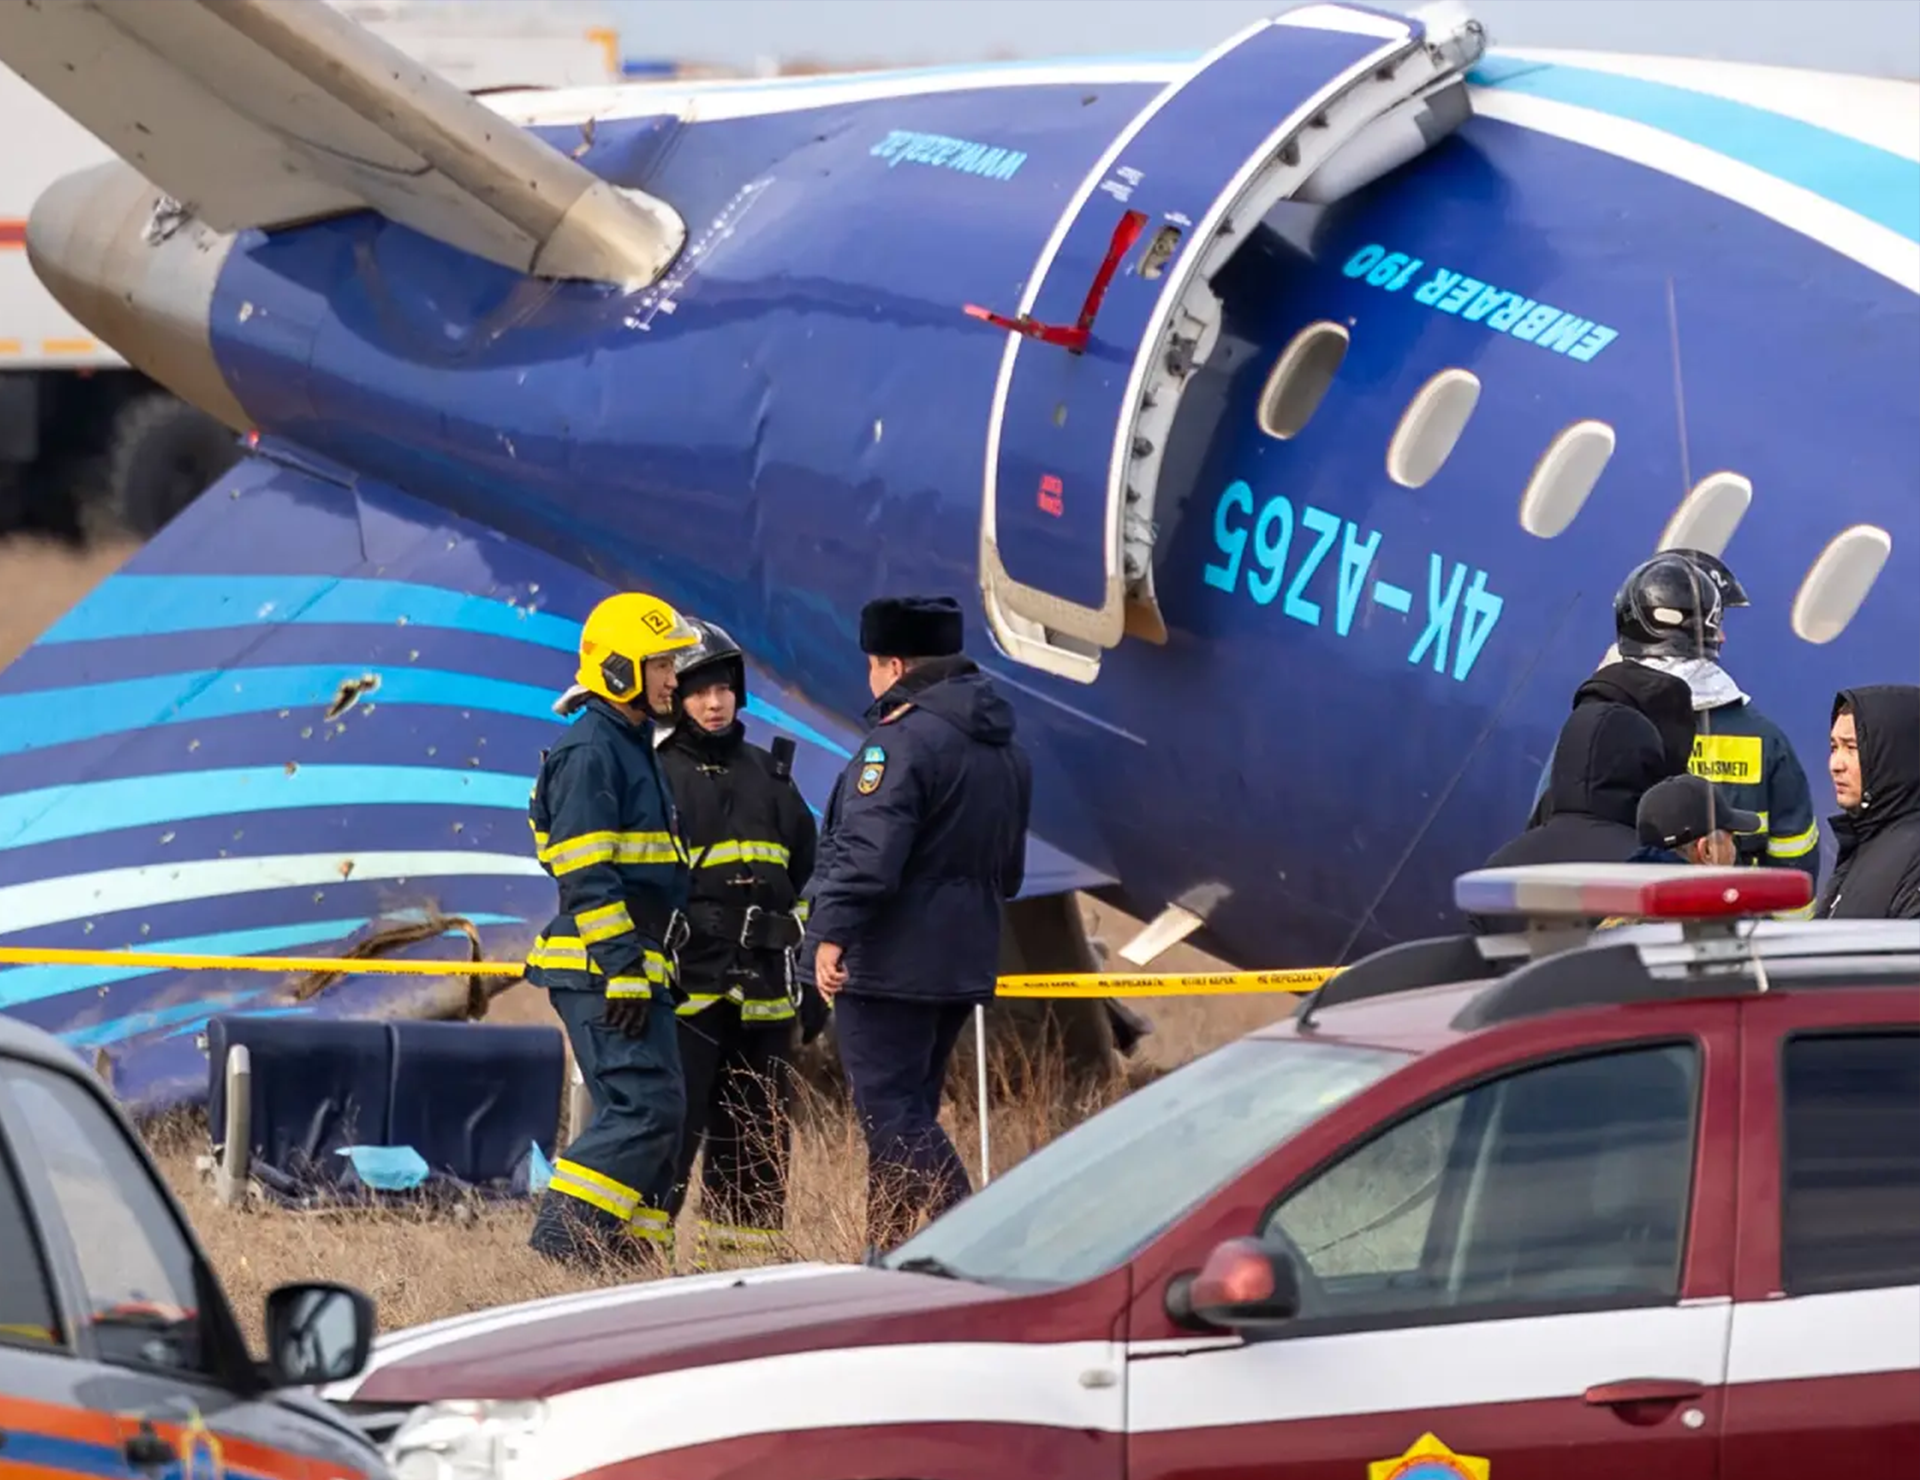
(267, 113)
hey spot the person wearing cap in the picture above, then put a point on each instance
(1683, 820)
(922, 843)
(750, 838)
(1687, 819)
(605, 829)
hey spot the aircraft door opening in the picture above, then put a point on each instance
(1118, 313)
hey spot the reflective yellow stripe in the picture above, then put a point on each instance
(801, 911)
(560, 953)
(1797, 846)
(569, 953)
(1805, 912)
(766, 1012)
(593, 1188)
(588, 849)
(651, 1225)
(737, 851)
(698, 1002)
(605, 923)
(577, 853)
(637, 987)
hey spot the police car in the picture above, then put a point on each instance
(119, 1356)
(1588, 1201)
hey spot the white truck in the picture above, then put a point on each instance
(88, 444)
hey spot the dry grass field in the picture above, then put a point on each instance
(419, 1267)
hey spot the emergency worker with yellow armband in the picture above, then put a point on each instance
(605, 828)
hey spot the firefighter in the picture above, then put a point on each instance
(750, 839)
(604, 827)
(1668, 615)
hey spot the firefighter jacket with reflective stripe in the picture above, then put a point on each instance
(604, 826)
(1748, 756)
(750, 842)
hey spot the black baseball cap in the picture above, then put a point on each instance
(1685, 809)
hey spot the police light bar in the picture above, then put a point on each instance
(1641, 891)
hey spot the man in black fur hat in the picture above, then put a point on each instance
(923, 840)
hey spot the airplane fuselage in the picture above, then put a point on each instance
(1362, 679)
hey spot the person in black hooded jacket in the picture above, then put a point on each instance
(750, 841)
(1606, 758)
(1665, 701)
(1874, 760)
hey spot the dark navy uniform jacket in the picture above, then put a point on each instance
(605, 828)
(924, 839)
(751, 841)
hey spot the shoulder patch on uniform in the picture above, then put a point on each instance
(873, 755)
(873, 766)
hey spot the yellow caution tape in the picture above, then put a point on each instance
(1166, 984)
(1143, 984)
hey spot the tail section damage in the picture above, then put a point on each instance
(305, 719)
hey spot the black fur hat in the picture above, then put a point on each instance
(911, 627)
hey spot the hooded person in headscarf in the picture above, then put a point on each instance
(1874, 760)
(1606, 758)
(1661, 699)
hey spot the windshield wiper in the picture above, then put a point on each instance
(927, 1264)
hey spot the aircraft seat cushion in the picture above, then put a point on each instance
(471, 1097)
(319, 1085)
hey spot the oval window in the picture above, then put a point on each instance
(1707, 517)
(1301, 378)
(1432, 424)
(1564, 476)
(1839, 581)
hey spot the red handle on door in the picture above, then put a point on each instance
(1643, 1390)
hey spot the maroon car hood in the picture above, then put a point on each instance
(576, 1341)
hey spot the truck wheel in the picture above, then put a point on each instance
(162, 456)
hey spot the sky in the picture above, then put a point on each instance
(1873, 36)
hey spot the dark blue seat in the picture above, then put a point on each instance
(318, 1085)
(471, 1097)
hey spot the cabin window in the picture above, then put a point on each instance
(1839, 581)
(1301, 378)
(1563, 478)
(1707, 517)
(1432, 424)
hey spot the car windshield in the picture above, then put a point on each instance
(1093, 1198)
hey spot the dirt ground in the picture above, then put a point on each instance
(419, 1267)
(41, 579)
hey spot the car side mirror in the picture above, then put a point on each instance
(318, 1333)
(1245, 1285)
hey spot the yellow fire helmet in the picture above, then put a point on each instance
(620, 634)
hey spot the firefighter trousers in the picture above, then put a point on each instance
(610, 1186)
(739, 1079)
(895, 1053)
